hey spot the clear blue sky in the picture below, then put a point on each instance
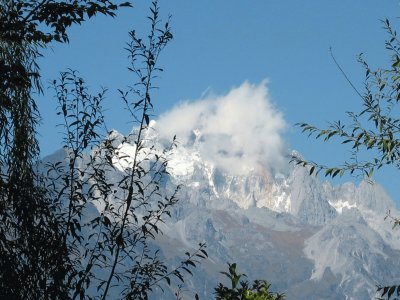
(220, 44)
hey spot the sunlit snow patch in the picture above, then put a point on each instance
(124, 157)
(179, 165)
(339, 205)
(181, 162)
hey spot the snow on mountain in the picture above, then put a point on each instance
(306, 237)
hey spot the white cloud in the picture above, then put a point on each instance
(238, 131)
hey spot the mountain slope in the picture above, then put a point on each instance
(306, 237)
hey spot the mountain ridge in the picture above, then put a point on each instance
(306, 237)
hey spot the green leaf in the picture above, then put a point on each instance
(312, 170)
(168, 280)
(396, 64)
(126, 4)
(391, 291)
(335, 173)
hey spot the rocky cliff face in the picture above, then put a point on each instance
(306, 237)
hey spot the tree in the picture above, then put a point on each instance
(242, 290)
(375, 130)
(52, 246)
(29, 231)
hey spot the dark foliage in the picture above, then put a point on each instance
(32, 264)
(52, 244)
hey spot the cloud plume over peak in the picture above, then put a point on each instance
(237, 131)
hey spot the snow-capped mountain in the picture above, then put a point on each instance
(306, 237)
